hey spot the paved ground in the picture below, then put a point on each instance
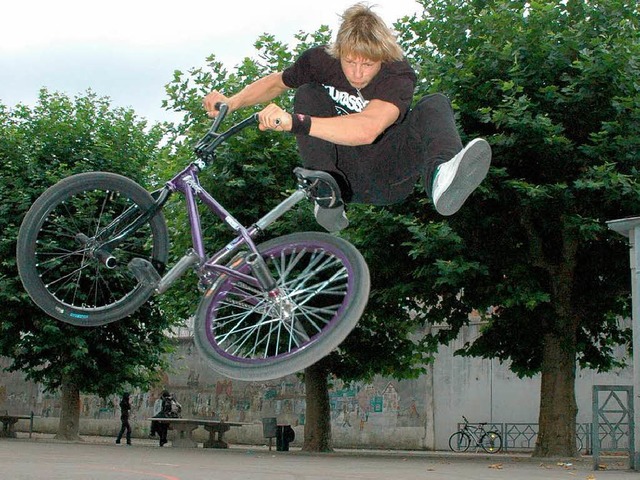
(100, 459)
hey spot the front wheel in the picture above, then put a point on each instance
(322, 288)
(491, 442)
(459, 442)
(60, 258)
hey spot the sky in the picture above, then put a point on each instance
(127, 50)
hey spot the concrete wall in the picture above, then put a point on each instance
(410, 414)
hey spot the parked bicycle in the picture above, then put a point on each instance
(468, 435)
(93, 248)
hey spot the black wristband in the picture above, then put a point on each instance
(300, 124)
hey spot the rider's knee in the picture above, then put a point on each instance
(434, 102)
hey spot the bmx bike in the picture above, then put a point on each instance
(93, 248)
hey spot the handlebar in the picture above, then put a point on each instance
(206, 146)
(466, 421)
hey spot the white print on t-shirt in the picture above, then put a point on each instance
(345, 102)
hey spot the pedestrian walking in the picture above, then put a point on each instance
(125, 408)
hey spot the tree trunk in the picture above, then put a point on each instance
(558, 408)
(317, 426)
(69, 426)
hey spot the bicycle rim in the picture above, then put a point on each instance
(491, 442)
(322, 289)
(59, 262)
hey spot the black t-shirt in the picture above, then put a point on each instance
(394, 83)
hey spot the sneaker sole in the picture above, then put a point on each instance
(473, 168)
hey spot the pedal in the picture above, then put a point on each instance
(144, 271)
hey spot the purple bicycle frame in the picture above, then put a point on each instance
(187, 183)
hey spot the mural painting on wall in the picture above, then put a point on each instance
(241, 401)
(363, 405)
(203, 393)
(354, 406)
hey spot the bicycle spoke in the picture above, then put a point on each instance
(251, 324)
(68, 269)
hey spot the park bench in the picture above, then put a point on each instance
(9, 421)
(184, 428)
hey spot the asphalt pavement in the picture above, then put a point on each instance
(100, 458)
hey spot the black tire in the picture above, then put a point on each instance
(459, 441)
(491, 442)
(322, 289)
(56, 250)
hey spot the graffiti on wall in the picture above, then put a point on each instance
(204, 394)
(359, 405)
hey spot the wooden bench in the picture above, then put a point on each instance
(184, 428)
(9, 421)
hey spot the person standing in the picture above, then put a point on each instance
(125, 408)
(170, 409)
(157, 408)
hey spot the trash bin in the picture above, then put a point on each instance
(284, 435)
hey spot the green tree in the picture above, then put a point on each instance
(60, 136)
(553, 86)
(252, 173)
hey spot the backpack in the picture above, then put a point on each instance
(171, 408)
(176, 408)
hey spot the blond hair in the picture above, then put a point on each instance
(364, 34)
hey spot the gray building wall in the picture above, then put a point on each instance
(409, 414)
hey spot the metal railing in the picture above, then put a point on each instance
(614, 416)
(523, 436)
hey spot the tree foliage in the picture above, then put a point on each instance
(251, 174)
(58, 137)
(553, 87)
(254, 172)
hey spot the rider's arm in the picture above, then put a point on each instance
(358, 128)
(262, 90)
(350, 130)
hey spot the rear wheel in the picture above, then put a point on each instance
(60, 257)
(322, 287)
(491, 442)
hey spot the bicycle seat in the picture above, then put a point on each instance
(322, 187)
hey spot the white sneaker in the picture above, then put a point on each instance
(456, 179)
(332, 219)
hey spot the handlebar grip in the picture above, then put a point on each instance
(222, 108)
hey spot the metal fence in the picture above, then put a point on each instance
(523, 436)
(613, 413)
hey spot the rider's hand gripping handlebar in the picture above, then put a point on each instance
(206, 146)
